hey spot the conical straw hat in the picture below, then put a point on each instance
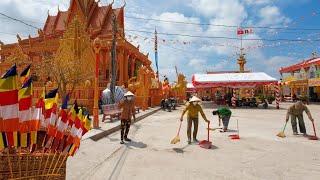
(128, 94)
(194, 98)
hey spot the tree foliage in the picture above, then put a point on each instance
(74, 62)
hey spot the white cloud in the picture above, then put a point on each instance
(271, 16)
(257, 61)
(258, 2)
(222, 65)
(202, 66)
(195, 63)
(219, 8)
(30, 11)
(193, 29)
(221, 12)
(279, 61)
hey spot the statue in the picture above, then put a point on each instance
(179, 89)
(166, 87)
(141, 86)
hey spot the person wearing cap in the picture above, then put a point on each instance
(224, 114)
(296, 112)
(128, 111)
(193, 109)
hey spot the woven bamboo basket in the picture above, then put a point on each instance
(33, 166)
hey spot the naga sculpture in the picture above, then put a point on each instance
(141, 86)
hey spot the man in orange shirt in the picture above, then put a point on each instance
(128, 111)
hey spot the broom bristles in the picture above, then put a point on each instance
(281, 134)
(175, 140)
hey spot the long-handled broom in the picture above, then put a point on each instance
(315, 134)
(236, 136)
(281, 134)
(176, 139)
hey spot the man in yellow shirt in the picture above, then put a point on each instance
(193, 109)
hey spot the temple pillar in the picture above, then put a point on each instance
(108, 65)
(103, 65)
(133, 66)
(126, 67)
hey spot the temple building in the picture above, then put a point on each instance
(98, 21)
(302, 79)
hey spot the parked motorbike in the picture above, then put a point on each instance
(173, 103)
(265, 104)
(166, 104)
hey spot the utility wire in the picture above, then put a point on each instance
(223, 25)
(189, 35)
(18, 20)
(223, 37)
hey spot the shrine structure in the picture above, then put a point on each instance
(132, 65)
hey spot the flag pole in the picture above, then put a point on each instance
(156, 51)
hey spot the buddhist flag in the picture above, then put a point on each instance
(75, 126)
(51, 99)
(51, 116)
(77, 133)
(25, 101)
(86, 124)
(9, 105)
(50, 105)
(37, 117)
(3, 139)
(73, 113)
(62, 123)
(76, 141)
(25, 75)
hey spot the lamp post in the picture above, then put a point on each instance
(97, 47)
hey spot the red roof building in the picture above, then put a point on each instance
(303, 64)
(302, 79)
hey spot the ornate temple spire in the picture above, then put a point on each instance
(241, 61)
(86, 5)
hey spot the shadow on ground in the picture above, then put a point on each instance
(140, 145)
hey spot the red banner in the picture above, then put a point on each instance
(241, 31)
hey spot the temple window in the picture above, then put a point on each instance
(107, 74)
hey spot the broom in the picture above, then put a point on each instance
(176, 139)
(315, 134)
(281, 134)
(213, 129)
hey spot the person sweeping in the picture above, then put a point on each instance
(128, 111)
(296, 112)
(224, 114)
(193, 109)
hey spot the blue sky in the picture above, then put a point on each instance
(196, 55)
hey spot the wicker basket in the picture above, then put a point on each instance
(33, 166)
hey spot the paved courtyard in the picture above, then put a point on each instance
(259, 154)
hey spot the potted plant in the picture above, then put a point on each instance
(270, 99)
(261, 98)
